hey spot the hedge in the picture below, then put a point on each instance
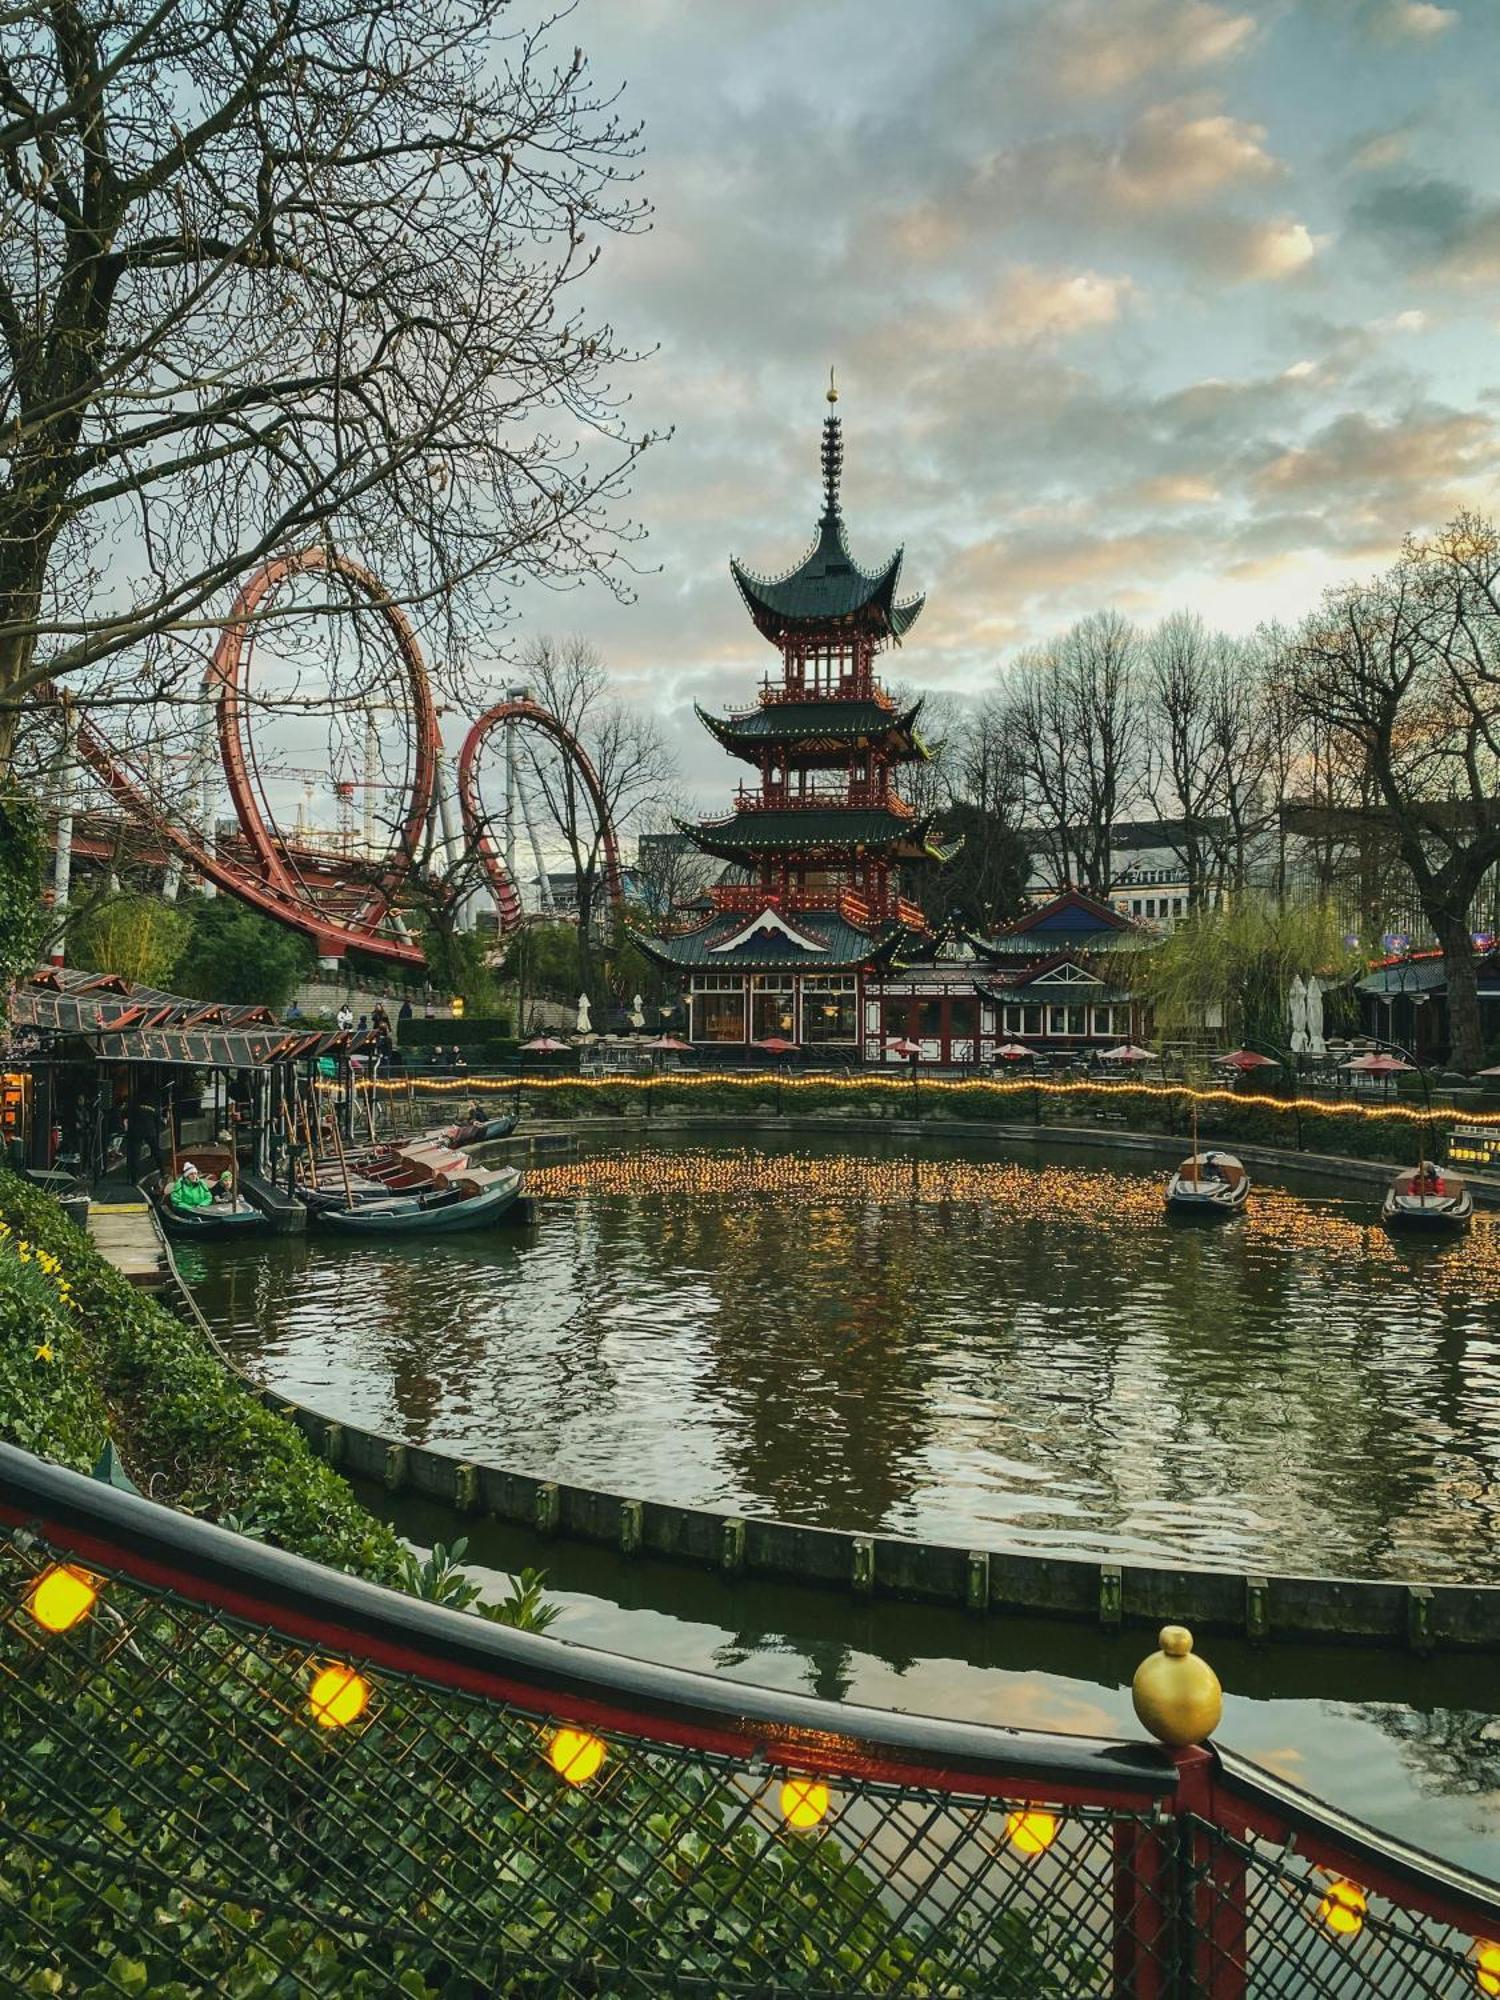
(187, 1431)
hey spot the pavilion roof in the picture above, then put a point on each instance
(819, 829)
(767, 940)
(833, 727)
(129, 1022)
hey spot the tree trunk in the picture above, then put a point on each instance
(1467, 1051)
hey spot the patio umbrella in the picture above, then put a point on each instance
(1127, 1052)
(544, 1045)
(668, 1042)
(1246, 1059)
(903, 1048)
(1377, 1064)
(1015, 1052)
(776, 1045)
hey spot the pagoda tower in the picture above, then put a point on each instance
(811, 905)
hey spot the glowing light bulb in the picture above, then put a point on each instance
(1487, 1966)
(1030, 1832)
(338, 1696)
(61, 1597)
(1342, 1909)
(804, 1803)
(575, 1755)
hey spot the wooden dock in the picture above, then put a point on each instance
(127, 1235)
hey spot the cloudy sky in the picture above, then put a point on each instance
(1133, 302)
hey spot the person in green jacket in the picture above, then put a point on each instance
(190, 1190)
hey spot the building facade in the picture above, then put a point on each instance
(811, 910)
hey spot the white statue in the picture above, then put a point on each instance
(1296, 1008)
(637, 1013)
(585, 1026)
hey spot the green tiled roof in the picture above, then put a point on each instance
(828, 587)
(839, 828)
(843, 946)
(841, 725)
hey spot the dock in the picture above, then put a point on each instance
(125, 1233)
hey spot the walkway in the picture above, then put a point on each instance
(126, 1234)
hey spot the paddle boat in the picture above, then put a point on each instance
(1427, 1200)
(220, 1216)
(1208, 1184)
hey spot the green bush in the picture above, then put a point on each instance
(470, 1033)
(235, 954)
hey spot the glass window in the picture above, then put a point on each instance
(1078, 1018)
(930, 1020)
(894, 1019)
(963, 1018)
(719, 1017)
(1057, 1020)
(829, 1011)
(1103, 1022)
(772, 1009)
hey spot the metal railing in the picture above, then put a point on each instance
(227, 1770)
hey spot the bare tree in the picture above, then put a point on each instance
(672, 872)
(632, 763)
(1184, 751)
(1074, 714)
(1406, 669)
(274, 276)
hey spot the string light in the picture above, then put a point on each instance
(1487, 1966)
(61, 1597)
(977, 1089)
(338, 1696)
(1342, 1909)
(1030, 1832)
(804, 1803)
(575, 1755)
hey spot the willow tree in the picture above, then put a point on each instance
(281, 273)
(1230, 969)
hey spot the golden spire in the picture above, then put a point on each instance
(833, 394)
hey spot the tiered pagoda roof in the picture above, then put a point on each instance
(767, 940)
(818, 729)
(829, 590)
(815, 830)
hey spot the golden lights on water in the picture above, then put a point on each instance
(1090, 1198)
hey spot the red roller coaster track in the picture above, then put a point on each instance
(476, 827)
(286, 885)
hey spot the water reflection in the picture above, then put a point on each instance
(958, 1346)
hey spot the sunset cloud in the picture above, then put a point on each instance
(1100, 47)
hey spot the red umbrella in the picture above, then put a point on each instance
(903, 1048)
(1378, 1064)
(777, 1045)
(544, 1045)
(1246, 1059)
(1127, 1052)
(669, 1042)
(1014, 1052)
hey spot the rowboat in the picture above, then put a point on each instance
(1209, 1185)
(1427, 1200)
(472, 1200)
(219, 1219)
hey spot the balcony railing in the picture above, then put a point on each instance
(229, 1770)
(744, 896)
(862, 794)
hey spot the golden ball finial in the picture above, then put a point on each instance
(1177, 1695)
(833, 393)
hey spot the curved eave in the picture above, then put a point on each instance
(732, 733)
(787, 604)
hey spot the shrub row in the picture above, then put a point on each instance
(187, 1430)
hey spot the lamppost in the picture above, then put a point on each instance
(1408, 1056)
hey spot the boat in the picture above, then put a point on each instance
(1208, 1184)
(220, 1219)
(1427, 1200)
(471, 1200)
(478, 1130)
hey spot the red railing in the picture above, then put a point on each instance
(742, 896)
(859, 794)
(226, 1764)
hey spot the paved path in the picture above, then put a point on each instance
(127, 1235)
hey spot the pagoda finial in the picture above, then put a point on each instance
(833, 459)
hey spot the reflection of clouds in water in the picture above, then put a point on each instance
(969, 1351)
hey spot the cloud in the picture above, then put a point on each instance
(1246, 252)
(1182, 153)
(1433, 225)
(1049, 305)
(1381, 150)
(1096, 48)
(1414, 19)
(1397, 470)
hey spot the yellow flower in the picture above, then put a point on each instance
(43, 1353)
